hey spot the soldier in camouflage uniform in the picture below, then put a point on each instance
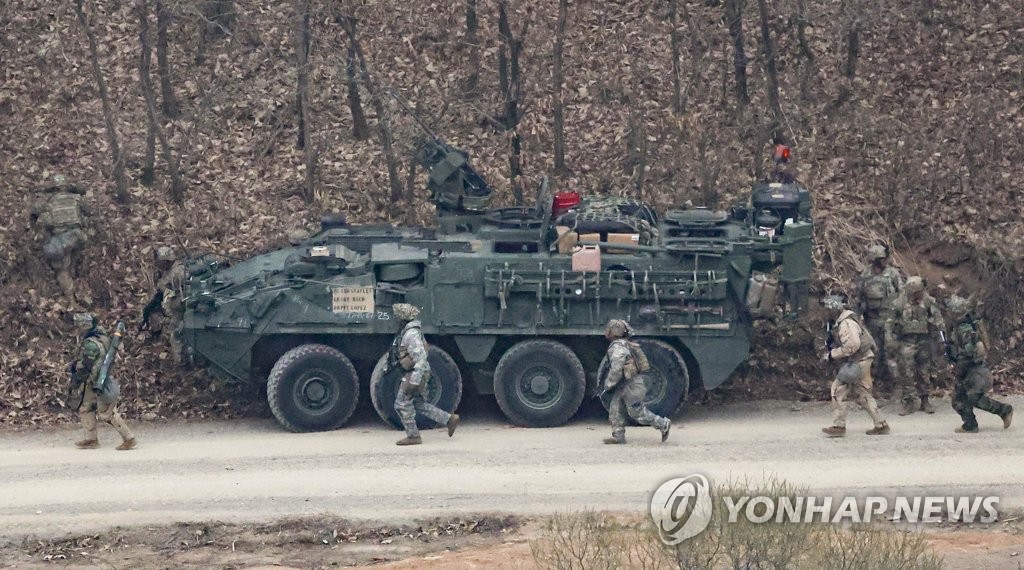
(169, 279)
(627, 384)
(85, 394)
(915, 323)
(879, 286)
(410, 352)
(967, 352)
(853, 382)
(60, 212)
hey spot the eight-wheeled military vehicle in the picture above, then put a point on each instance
(514, 300)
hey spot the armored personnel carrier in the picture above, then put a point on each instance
(513, 299)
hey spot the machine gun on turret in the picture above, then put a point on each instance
(454, 184)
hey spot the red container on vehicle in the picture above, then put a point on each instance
(563, 202)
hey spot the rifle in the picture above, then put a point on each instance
(73, 383)
(830, 339)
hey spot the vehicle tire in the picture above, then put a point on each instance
(668, 381)
(443, 389)
(312, 387)
(539, 383)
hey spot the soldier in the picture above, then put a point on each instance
(879, 286)
(93, 402)
(61, 214)
(409, 350)
(967, 352)
(627, 384)
(914, 319)
(853, 381)
(169, 280)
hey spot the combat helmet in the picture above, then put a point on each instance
(915, 284)
(618, 328)
(405, 311)
(164, 253)
(834, 302)
(83, 320)
(876, 252)
(958, 305)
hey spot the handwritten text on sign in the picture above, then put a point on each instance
(352, 300)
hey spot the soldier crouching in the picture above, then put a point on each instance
(853, 381)
(410, 352)
(627, 384)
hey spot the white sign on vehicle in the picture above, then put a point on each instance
(352, 300)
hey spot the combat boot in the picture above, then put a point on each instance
(407, 440)
(664, 430)
(909, 407)
(926, 405)
(453, 422)
(127, 444)
(87, 444)
(879, 430)
(1007, 418)
(615, 440)
(834, 431)
(965, 429)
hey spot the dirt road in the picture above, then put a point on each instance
(253, 471)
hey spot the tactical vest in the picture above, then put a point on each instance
(914, 319)
(877, 290)
(637, 362)
(402, 356)
(103, 342)
(63, 211)
(965, 344)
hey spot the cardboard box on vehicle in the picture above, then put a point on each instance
(630, 239)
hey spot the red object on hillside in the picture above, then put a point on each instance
(563, 202)
(782, 153)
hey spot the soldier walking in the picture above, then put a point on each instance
(87, 388)
(853, 381)
(409, 350)
(879, 286)
(61, 214)
(967, 352)
(914, 324)
(626, 384)
(168, 300)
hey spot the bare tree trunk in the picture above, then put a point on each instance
(768, 54)
(511, 82)
(382, 118)
(302, 41)
(558, 79)
(810, 63)
(852, 46)
(360, 129)
(157, 130)
(217, 21)
(410, 193)
(163, 21)
(120, 180)
(472, 87)
(734, 18)
(145, 68)
(677, 88)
